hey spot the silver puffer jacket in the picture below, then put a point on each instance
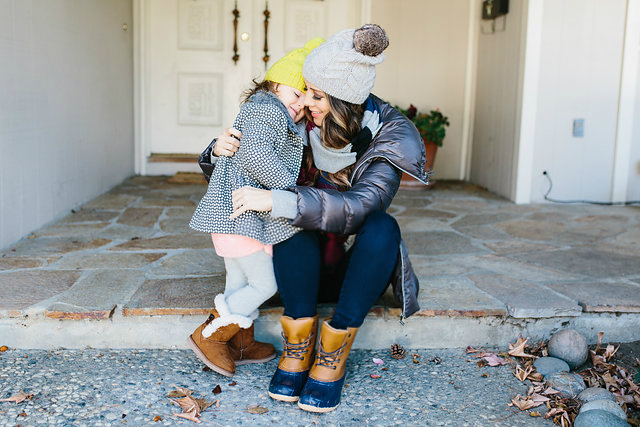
(375, 180)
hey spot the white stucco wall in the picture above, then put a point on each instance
(425, 65)
(633, 186)
(580, 65)
(496, 117)
(66, 107)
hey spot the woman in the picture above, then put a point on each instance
(364, 165)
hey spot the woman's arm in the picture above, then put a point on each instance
(344, 212)
(324, 209)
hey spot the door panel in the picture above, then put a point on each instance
(193, 87)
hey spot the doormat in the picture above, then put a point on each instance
(187, 178)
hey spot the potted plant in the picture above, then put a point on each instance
(432, 130)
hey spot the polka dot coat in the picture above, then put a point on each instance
(269, 157)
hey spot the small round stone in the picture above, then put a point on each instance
(567, 383)
(605, 405)
(595, 393)
(550, 365)
(598, 418)
(570, 346)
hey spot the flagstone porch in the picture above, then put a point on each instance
(124, 270)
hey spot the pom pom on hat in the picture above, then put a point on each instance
(344, 65)
(288, 69)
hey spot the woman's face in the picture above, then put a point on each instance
(317, 103)
(293, 99)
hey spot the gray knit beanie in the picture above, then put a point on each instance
(344, 65)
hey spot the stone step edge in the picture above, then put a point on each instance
(376, 333)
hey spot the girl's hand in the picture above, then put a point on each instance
(250, 199)
(228, 143)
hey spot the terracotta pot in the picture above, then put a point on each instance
(409, 182)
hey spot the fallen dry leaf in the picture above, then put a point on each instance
(157, 418)
(374, 376)
(189, 416)
(203, 404)
(17, 398)
(188, 404)
(473, 350)
(535, 414)
(233, 383)
(517, 349)
(493, 359)
(4, 348)
(255, 409)
(523, 403)
(217, 389)
(485, 375)
(522, 374)
(175, 394)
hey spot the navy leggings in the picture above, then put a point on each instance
(358, 281)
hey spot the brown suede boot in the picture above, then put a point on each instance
(323, 389)
(299, 337)
(245, 349)
(209, 340)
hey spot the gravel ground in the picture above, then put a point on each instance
(108, 387)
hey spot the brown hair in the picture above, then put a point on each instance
(341, 124)
(264, 86)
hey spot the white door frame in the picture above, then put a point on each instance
(626, 103)
(140, 91)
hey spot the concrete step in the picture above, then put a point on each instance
(124, 271)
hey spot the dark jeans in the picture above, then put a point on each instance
(358, 281)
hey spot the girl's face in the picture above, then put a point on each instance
(293, 99)
(317, 102)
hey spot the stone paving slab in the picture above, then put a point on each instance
(89, 215)
(175, 241)
(54, 246)
(203, 262)
(175, 296)
(617, 297)
(22, 289)
(456, 297)
(95, 296)
(23, 262)
(526, 300)
(584, 261)
(516, 268)
(140, 217)
(517, 246)
(111, 201)
(94, 261)
(532, 230)
(70, 230)
(440, 243)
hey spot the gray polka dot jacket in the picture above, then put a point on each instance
(268, 158)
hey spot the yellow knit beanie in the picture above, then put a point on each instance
(288, 69)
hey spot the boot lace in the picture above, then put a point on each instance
(329, 359)
(296, 351)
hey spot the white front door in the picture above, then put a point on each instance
(189, 85)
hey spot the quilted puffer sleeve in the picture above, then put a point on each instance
(344, 212)
(257, 154)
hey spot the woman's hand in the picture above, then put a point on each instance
(228, 143)
(250, 199)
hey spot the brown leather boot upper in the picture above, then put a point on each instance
(333, 351)
(245, 349)
(214, 350)
(299, 336)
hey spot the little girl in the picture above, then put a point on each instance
(269, 158)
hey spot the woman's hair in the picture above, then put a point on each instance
(341, 124)
(263, 86)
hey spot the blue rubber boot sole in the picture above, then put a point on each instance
(286, 386)
(320, 396)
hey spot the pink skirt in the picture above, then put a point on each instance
(236, 246)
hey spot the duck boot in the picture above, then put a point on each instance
(245, 349)
(299, 338)
(323, 389)
(209, 340)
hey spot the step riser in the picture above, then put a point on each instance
(166, 332)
